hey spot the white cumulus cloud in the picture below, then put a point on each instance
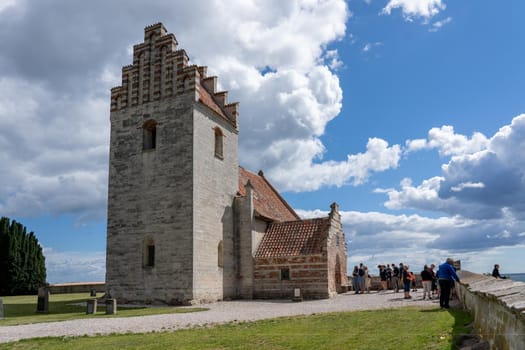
(439, 24)
(355, 170)
(484, 178)
(272, 56)
(448, 143)
(68, 266)
(379, 238)
(425, 9)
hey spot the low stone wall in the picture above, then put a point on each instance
(498, 307)
(84, 287)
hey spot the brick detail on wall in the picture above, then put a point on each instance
(160, 71)
(306, 272)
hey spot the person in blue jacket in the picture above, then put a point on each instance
(446, 276)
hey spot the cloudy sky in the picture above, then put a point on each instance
(408, 113)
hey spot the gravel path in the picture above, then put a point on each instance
(220, 312)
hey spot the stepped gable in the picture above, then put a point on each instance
(294, 238)
(267, 202)
(160, 71)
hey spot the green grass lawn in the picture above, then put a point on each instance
(404, 328)
(21, 309)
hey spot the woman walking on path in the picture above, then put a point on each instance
(368, 279)
(407, 281)
(426, 278)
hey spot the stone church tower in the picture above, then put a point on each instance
(186, 223)
(173, 177)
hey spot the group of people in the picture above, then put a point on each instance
(397, 277)
(361, 280)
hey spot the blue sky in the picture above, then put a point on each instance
(408, 113)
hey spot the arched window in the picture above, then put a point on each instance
(149, 252)
(220, 254)
(218, 143)
(149, 135)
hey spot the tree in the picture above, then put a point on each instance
(22, 262)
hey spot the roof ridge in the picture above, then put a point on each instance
(261, 174)
(213, 96)
(323, 218)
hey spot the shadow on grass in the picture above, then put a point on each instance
(462, 321)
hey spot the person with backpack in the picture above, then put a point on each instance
(388, 276)
(407, 281)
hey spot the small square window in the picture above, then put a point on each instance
(285, 274)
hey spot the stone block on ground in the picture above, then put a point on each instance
(42, 305)
(91, 306)
(111, 306)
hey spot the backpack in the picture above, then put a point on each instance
(361, 272)
(396, 271)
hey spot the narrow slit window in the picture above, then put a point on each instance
(149, 253)
(149, 135)
(220, 254)
(151, 256)
(218, 143)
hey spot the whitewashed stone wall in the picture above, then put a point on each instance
(178, 195)
(215, 186)
(336, 252)
(151, 196)
(498, 307)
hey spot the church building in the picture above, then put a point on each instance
(186, 223)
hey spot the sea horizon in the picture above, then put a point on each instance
(516, 276)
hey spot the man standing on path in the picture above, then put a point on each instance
(446, 275)
(395, 278)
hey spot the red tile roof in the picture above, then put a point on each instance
(206, 99)
(293, 238)
(267, 202)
